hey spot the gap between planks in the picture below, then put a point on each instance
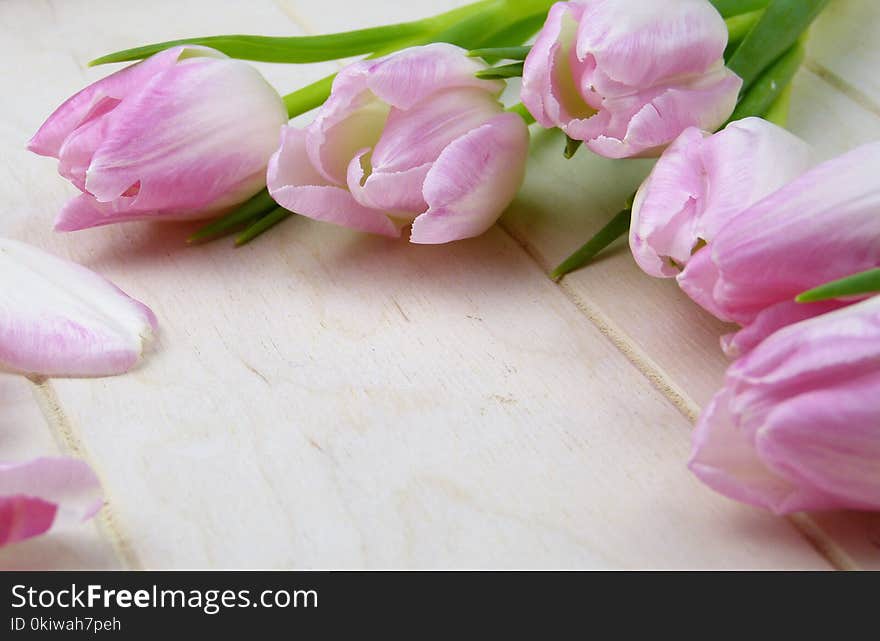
(61, 428)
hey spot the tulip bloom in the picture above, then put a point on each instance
(60, 319)
(628, 76)
(44, 493)
(820, 227)
(184, 134)
(701, 182)
(413, 136)
(797, 423)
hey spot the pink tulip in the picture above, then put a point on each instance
(44, 493)
(628, 76)
(412, 137)
(797, 424)
(822, 226)
(60, 319)
(703, 181)
(184, 134)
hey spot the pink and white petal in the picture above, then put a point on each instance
(418, 135)
(825, 223)
(666, 208)
(93, 101)
(473, 181)
(45, 493)
(817, 352)
(58, 318)
(746, 161)
(770, 320)
(836, 451)
(409, 76)
(725, 459)
(337, 135)
(641, 42)
(24, 517)
(705, 105)
(399, 192)
(296, 185)
(182, 140)
(537, 83)
(699, 280)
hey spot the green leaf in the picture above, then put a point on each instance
(738, 28)
(501, 53)
(728, 8)
(771, 84)
(513, 70)
(263, 224)
(616, 228)
(571, 147)
(245, 213)
(298, 49)
(520, 110)
(779, 28)
(867, 282)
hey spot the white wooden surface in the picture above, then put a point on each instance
(324, 399)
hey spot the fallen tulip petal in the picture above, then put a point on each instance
(58, 318)
(38, 495)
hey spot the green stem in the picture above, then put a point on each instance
(250, 210)
(729, 8)
(867, 282)
(514, 70)
(616, 228)
(263, 224)
(779, 110)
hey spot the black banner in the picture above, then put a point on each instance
(547, 603)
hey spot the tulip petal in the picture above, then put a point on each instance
(96, 100)
(60, 319)
(473, 181)
(548, 87)
(825, 223)
(397, 192)
(296, 185)
(641, 42)
(180, 142)
(836, 451)
(38, 495)
(705, 103)
(768, 321)
(665, 209)
(411, 75)
(725, 459)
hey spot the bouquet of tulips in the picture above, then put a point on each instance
(418, 136)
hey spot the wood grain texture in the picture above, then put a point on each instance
(326, 399)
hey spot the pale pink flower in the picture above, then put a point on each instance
(797, 424)
(628, 76)
(58, 318)
(411, 137)
(184, 134)
(39, 495)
